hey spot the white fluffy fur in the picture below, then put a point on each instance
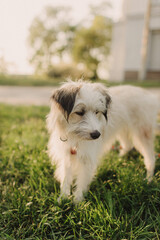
(130, 118)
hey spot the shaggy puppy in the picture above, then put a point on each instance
(85, 119)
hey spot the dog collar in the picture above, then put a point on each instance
(63, 140)
(73, 151)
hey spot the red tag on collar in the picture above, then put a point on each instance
(73, 151)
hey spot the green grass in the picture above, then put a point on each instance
(145, 84)
(119, 205)
(24, 80)
(20, 80)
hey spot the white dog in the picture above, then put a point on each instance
(86, 118)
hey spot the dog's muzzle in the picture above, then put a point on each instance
(96, 134)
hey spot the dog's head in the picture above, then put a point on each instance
(84, 107)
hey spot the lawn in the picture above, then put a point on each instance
(24, 80)
(119, 205)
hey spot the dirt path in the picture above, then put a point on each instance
(25, 95)
(34, 95)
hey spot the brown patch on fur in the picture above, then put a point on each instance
(147, 132)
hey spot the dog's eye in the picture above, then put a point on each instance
(80, 113)
(97, 112)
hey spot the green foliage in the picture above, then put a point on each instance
(119, 205)
(65, 71)
(3, 65)
(54, 36)
(50, 35)
(92, 44)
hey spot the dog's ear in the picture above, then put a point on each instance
(65, 98)
(108, 102)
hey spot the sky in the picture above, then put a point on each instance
(16, 17)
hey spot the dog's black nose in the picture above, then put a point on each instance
(95, 134)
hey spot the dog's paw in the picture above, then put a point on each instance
(78, 198)
(62, 198)
(149, 179)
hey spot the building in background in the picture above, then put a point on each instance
(135, 53)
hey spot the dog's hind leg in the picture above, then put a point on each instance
(144, 143)
(125, 142)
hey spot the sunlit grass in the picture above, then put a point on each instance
(119, 205)
(24, 80)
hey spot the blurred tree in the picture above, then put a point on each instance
(53, 36)
(92, 44)
(3, 65)
(50, 35)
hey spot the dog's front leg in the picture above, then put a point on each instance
(84, 177)
(66, 179)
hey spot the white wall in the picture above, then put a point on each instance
(127, 39)
(155, 23)
(134, 31)
(154, 51)
(134, 7)
(118, 52)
